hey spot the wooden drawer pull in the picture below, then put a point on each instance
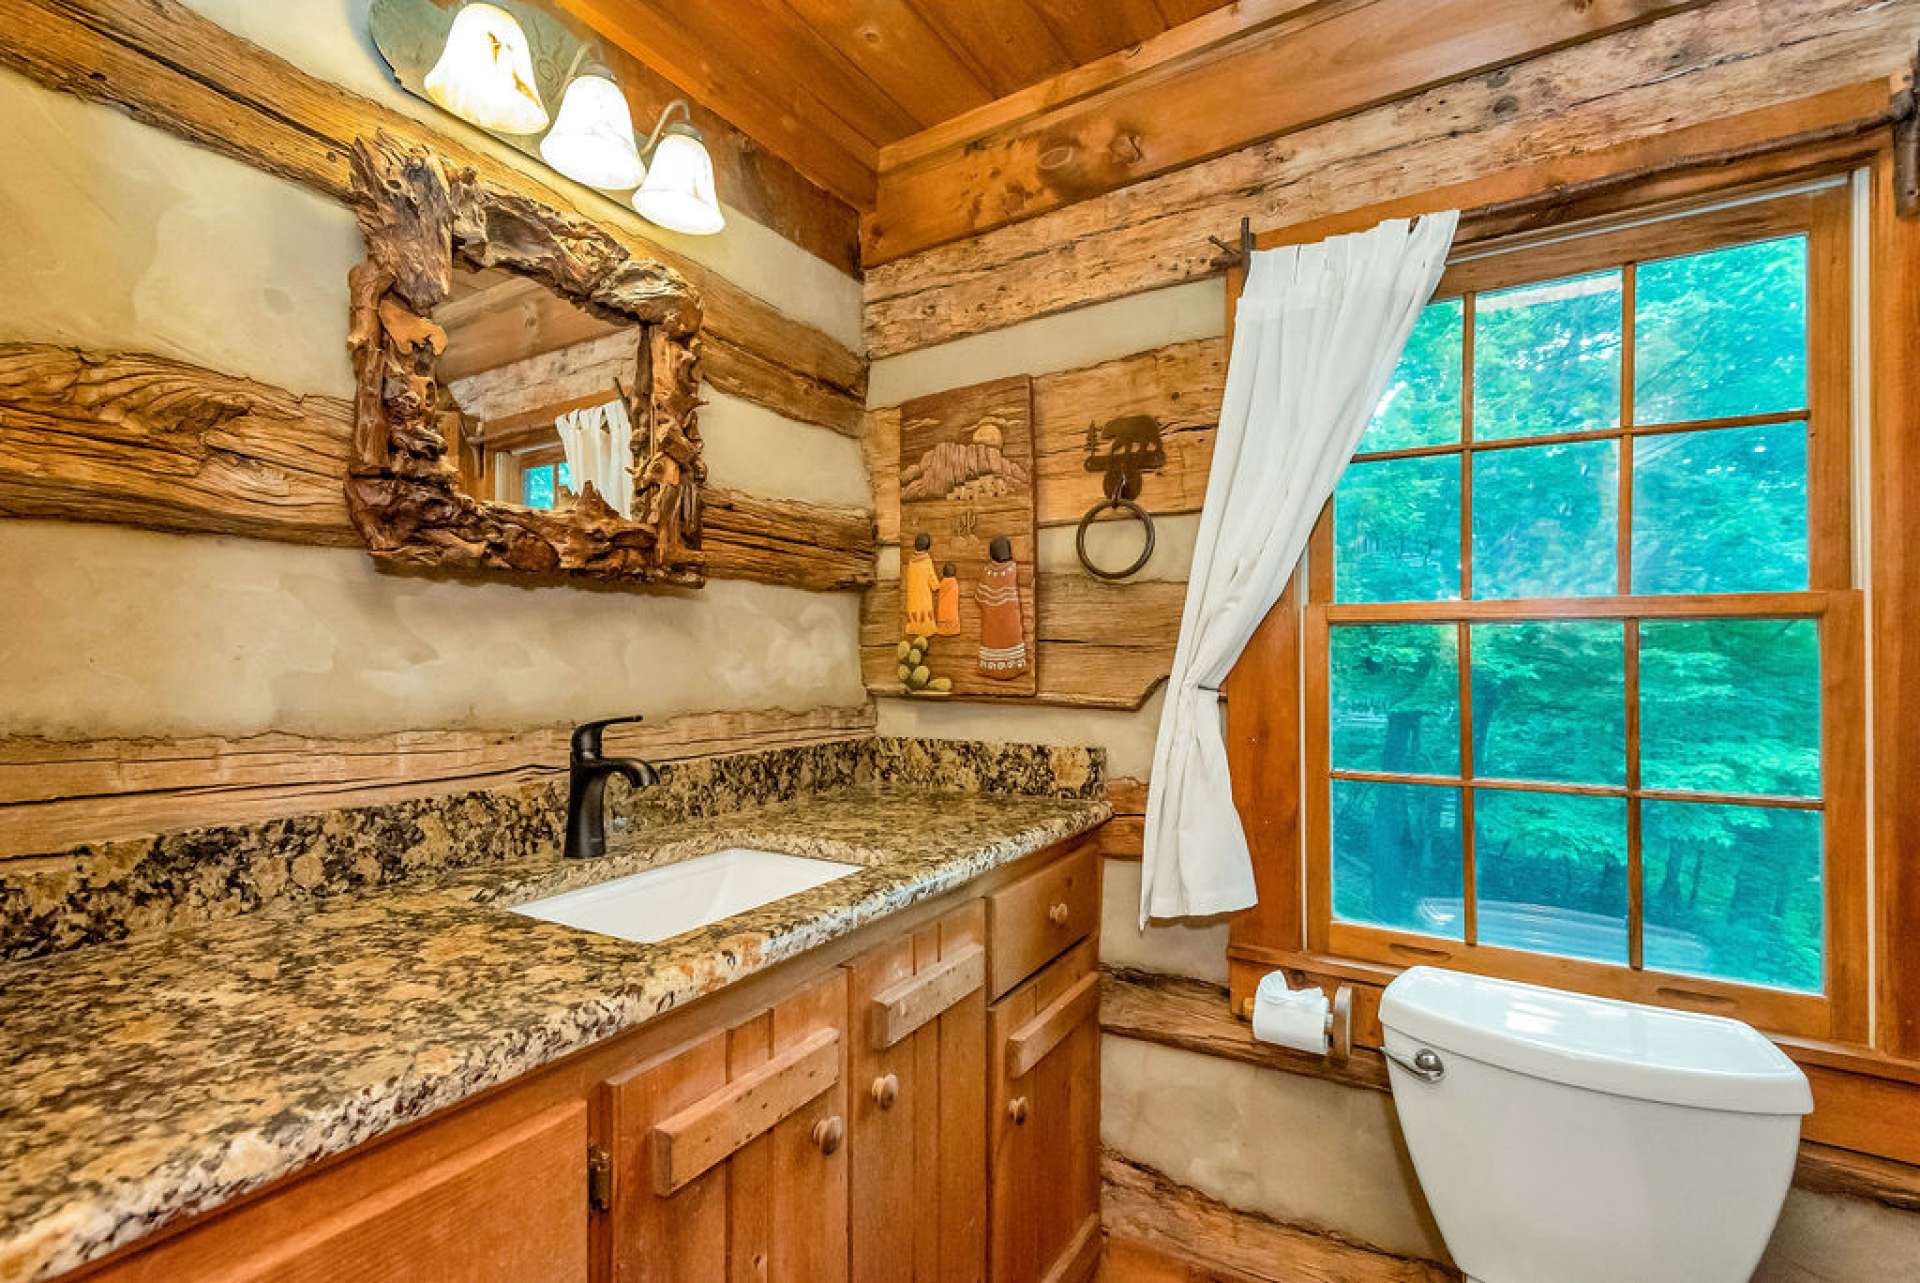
(898, 1011)
(1059, 914)
(829, 1132)
(886, 1090)
(710, 1130)
(1034, 1041)
(1017, 1110)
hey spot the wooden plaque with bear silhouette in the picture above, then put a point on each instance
(966, 481)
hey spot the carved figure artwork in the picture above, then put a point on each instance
(1003, 638)
(967, 470)
(946, 603)
(917, 585)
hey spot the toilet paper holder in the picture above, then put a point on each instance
(1339, 1023)
(1340, 1026)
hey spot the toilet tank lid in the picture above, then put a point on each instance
(1600, 1044)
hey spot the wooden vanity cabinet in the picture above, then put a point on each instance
(917, 1102)
(918, 1095)
(728, 1155)
(1045, 1042)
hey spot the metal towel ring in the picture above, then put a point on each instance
(1118, 503)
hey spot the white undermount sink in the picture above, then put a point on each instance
(678, 897)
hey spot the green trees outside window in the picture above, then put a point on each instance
(1634, 433)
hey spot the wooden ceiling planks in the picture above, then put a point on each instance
(945, 119)
(825, 84)
(1005, 41)
(786, 117)
(1089, 29)
(894, 46)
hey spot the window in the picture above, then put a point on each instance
(542, 474)
(1582, 647)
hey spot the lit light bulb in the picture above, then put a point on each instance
(592, 138)
(678, 192)
(485, 73)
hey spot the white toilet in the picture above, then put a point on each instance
(1567, 1139)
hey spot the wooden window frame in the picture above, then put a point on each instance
(1294, 923)
(1839, 1012)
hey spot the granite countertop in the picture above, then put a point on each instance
(152, 1079)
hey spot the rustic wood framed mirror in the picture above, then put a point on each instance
(438, 237)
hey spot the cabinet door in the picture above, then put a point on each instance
(918, 1093)
(728, 1158)
(1045, 1037)
(508, 1208)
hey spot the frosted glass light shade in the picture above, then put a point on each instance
(678, 193)
(485, 73)
(592, 138)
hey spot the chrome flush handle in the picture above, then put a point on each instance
(1425, 1064)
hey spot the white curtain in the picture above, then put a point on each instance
(599, 445)
(1316, 337)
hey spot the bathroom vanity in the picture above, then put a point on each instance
(891, 1075)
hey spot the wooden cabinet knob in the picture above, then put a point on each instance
(886, 1090)
(1058, 914)
(1017, 1110)
(828, 1133)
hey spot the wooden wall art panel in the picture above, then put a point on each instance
(139, 440)
(1100, 645)
(404, 491)
(967, 580)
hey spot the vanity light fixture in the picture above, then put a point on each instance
(592, 138)
(678, 192)
(485, 73)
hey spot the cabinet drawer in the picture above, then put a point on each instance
(1035, 920)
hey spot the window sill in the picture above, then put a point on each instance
(1864, 1101)
(1194, 1016)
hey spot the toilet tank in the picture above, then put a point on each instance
(1585, 1140)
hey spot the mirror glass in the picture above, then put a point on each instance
(537, 394)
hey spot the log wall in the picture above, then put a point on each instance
(1672, 93)
(174, 361)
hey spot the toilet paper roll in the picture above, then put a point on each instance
(1286, 1017)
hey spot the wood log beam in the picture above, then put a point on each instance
(1327, 62)
(1737, 73)
(1192, 1015)
(55, 794)
(139, 440)
(1140, 1204)
(1100, 645)
(173, 69)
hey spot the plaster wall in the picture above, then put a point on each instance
(122, 237)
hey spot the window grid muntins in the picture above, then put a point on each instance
(1595, 466)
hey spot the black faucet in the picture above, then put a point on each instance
(587, 773)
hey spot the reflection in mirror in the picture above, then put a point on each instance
(537, 395)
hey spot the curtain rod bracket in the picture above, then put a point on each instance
(1234, 256)
(1905, 110)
